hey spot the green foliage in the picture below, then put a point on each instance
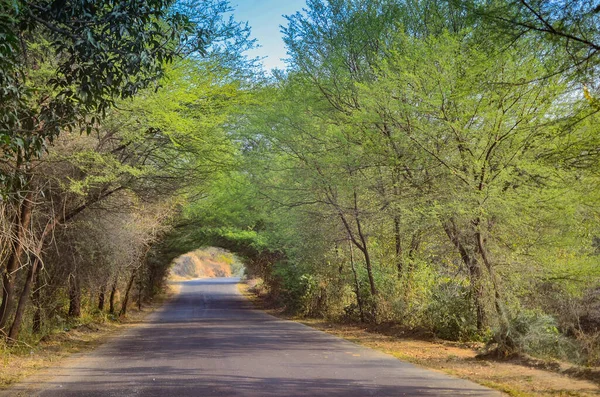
(567, 29)
(536, 333)
(450, 313)
(297, 291)
(416, 172)
(154, 98)
(413, 165)
(99, 52)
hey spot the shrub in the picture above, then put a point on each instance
(590, 346)
(298, 290)
(450, 313)
(536, 333)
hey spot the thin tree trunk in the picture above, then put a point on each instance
(341, 262)
(74, 297)
(102, 297)
(123, 311)
(361, 245)
(369, 267)
(21, 224)
(151, 278)
(359, 300)
(16, 325)
(368, 263)
(113, 292)
(37, 301)
(364, 247)
(498, 301)
(415, 242)
(475, 273)
(31, 276)
(140, 292)
(398, 247)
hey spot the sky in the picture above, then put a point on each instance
(264, 18)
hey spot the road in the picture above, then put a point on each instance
(208, 341)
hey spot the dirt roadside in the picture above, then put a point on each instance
(517, 378)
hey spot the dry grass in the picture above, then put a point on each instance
(516, 377)
(22, 360)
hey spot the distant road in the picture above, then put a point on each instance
(209, 342)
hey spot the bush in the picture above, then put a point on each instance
(450, 314)
(536, 333)
(299, 291)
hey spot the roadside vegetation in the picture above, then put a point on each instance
(431, 165)
(112, 119)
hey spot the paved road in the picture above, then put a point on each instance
(209, 342)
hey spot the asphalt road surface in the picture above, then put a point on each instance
(208, 341)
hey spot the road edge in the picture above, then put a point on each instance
(43, 358)
(507, 388)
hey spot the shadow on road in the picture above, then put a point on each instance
(175, 382)
(209, 342)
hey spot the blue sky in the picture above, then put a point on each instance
(264, 17)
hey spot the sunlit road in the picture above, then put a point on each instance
(210, 342)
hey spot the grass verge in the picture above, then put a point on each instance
(25, 359)
(516, 377)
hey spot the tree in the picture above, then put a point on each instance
(99, 52)
(64, 65)
(567, 32)
(98, 59)
(432, 142)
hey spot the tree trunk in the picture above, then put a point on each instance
(361, 245)
(359, 300)
(398, 241)
(37, 301)
(498, 301)
(31, 276)
(113, 292)
(396, 177)
(415, 242)
(369, 267)
(123, 311)
(339, 260)
(364, 248)
(140, 292)
(21, 224)
(475, 274)
(74, 297)
(16, 325)
(101, 298)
